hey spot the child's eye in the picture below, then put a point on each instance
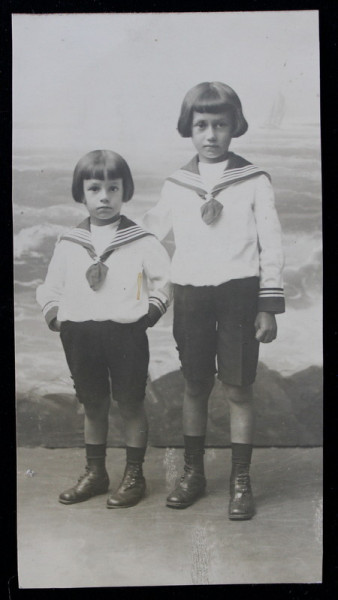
(93, 188)
(200, 124)
(114, 188)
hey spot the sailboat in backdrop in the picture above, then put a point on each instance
(277, 113)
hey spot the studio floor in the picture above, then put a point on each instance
(86, 545)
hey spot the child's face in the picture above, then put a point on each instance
(211, 135)
(103, 198)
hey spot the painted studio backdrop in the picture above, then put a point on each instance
(114, 81)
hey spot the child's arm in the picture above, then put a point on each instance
(158, 220)
(156, 265)
(48, 294)
(271, 295)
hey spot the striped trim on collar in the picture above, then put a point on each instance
(127, 232)
(237, 170)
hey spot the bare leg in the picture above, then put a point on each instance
(96, 423)
(95, 480)
(242, 418)
(241, 505)
(195, 406)
(195, 415)
(133, 486)
(135, 424)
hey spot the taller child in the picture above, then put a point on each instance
(227, 275)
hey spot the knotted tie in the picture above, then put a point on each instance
(96, 274)
(211, 209)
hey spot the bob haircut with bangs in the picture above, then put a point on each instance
(211, 97)
(102, 164)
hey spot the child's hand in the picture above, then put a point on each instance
(55, 325)
(266, 327)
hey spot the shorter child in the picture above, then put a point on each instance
(108, 280)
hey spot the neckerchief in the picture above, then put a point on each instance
(238, 169)
(127, 232)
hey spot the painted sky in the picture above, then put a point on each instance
(88, 80)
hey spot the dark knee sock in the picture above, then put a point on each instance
(194, 444)
(194, 451)
(96, 455)
(241, 453)
(135, 455)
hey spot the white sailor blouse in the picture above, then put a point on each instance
(232, 232)
(130, 276)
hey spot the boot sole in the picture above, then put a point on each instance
(124, 505)
(83, 499)
(181, 505)
(241, 517)
(127, 505)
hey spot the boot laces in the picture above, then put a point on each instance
(133, 472)
(186, 471)
(242, 482)
(83, 475)
(189, 470)
(88, 470)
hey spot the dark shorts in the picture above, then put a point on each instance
(106, 357)
(217, 321)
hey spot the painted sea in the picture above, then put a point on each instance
(288, 392)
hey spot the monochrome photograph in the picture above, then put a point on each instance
(167, 228)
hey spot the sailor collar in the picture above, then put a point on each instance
(237, 169)
(127, 232)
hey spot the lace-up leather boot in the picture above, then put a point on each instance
(191, 485)
(93, 482)
(131, 489)
(241, 505)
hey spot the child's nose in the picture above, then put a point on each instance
(103, 196)
(210, 132)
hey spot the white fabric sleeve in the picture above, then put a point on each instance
(156, 265)
(48, 294)
(271, 294)
(158, 220)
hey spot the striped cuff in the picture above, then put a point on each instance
(162, 307)
(50, 312)
(271, 300)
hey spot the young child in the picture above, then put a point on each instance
(108, 280)
(227, 280)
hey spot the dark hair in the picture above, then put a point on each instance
(102, 164)
(211, 97)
